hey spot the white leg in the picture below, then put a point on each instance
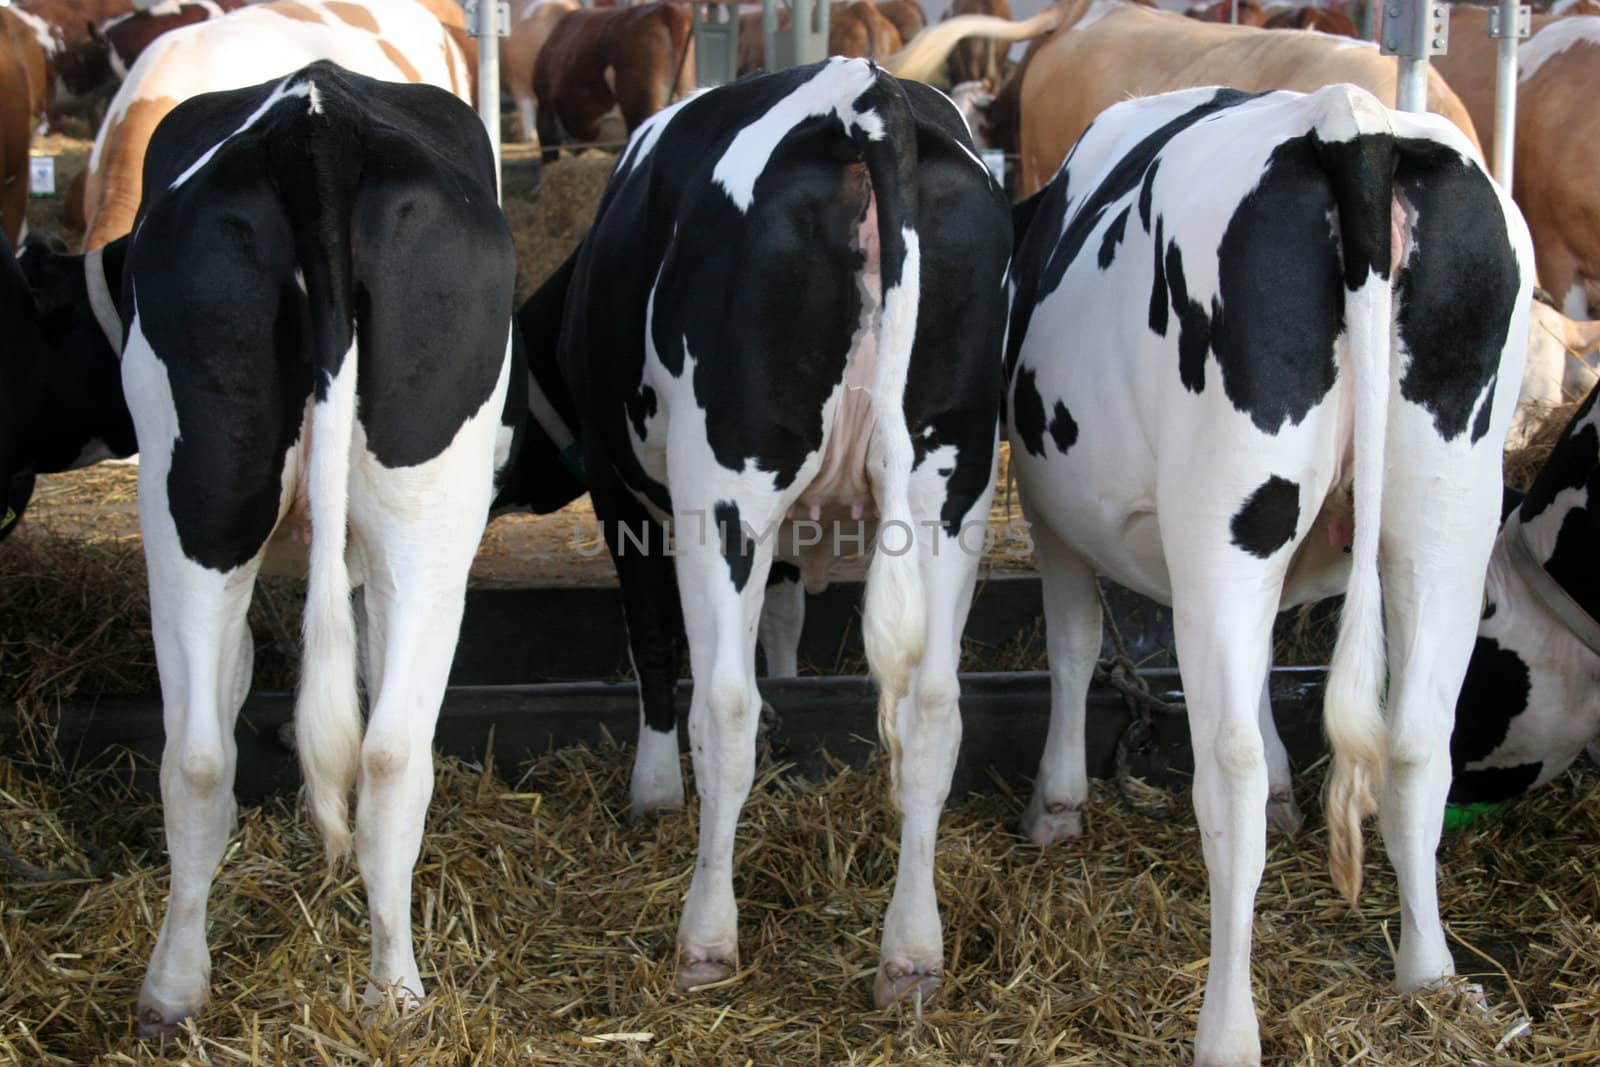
(720, 619)
(1283, 814)
(525, 110)
(782, 618)
(1222, 637)
(1072, 637)
(204, 655)
(928, 722)
(417, 564)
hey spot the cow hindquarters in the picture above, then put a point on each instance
(417, 528)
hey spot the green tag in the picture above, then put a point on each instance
(1472, 816)
(11, 517)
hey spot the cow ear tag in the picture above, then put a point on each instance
(11, 517)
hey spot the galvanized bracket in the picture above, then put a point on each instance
(1524, 22)
(1415, 29)
(502, 18)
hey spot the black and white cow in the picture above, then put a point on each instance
(1531, 701)
(791, 306)
(60, 395)
(1210, 383)
(318, 301)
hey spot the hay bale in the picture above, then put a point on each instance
(548, 218)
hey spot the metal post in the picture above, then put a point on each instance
(1233, 12)
(1507, 23)
(488, 21)
(716, 41)
(1369, 19)
(1414, 30)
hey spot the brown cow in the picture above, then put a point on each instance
(16, 130)
(1556, 158)
(907, 16)
(520, 52)
(1124, 50)
(854, 29)
(605, 70)
(979, 59)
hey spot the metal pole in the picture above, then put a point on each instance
(1414, 30)
(1507, 23)
(1233, 12)
(489, 77)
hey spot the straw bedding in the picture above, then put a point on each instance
(545, 928)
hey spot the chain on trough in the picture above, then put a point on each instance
(1120, 673)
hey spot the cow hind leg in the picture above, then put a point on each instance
(928, 723)
(722, 580)
(1283, 814)
(1222, 639)
(1072, 636)
(1432, 597)
(204, 655)
(418, 559)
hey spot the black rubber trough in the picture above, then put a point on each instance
(1004, 718)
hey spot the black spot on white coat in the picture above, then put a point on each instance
(1268, 518)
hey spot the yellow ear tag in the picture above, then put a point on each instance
(11, 517)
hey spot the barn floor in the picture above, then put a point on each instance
(545, 927)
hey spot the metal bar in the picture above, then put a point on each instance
(489, 78)
(1414, 30)
(1005, 717)
(1507, 26)
(1233, 12)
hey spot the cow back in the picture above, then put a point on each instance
(393, 40)
(1122, 50)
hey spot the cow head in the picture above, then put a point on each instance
(1531, 699)
(61, 400)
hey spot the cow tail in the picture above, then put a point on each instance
(318, 188)
(1357, 147)
(893, 620)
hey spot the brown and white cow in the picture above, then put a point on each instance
(78, 71)
(1108, 50)
(520, 52)
(1556, 161)
(1251, 13)
(603, 71)
(394, 40)
(978, 59)
(16, 130)
(128, 35)
(858, 30)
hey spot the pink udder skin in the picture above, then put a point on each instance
(841, 485)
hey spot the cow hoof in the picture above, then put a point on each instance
(156, 1019)
(695, 973)
(1283, 814)
(1044, 823)
(643, 810)
(901, 980)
